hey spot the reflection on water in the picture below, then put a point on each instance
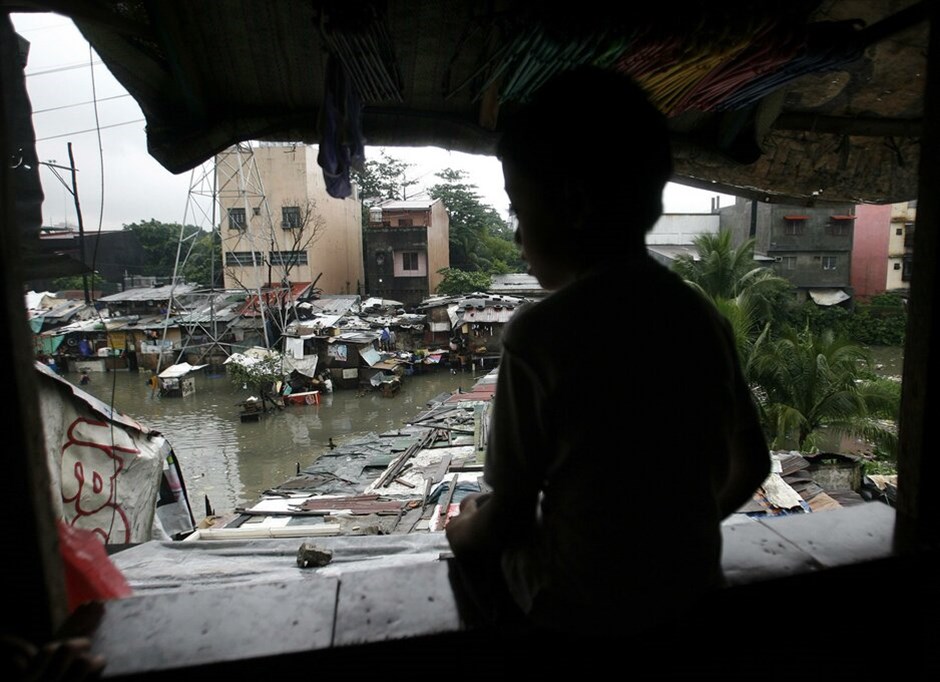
(233, 463)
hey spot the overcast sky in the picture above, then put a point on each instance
(65, 79)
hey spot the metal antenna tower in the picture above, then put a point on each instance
(208, 313)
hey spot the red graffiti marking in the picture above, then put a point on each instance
(96, 465)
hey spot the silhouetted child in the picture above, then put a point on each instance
(605, 510)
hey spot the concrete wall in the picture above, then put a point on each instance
(800, 258)
(682, 228)
(286, 175)
(438, 244)
(870, 249)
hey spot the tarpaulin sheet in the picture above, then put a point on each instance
(183, 566)
(108, 470)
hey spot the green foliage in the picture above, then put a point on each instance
(725, 273)
(808, 381)
(383, 179)
(888, 300)
(161, 243)
(867, 324)
(480, 240)
(258, 376)
(457, 282)
(879, 467)
(76, 282)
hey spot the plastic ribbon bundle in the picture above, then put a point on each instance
(827, 46)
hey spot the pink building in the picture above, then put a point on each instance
(870, 249)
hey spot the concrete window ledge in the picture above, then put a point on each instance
(780, 547)
(362, 619)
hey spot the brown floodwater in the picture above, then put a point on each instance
(232, 463)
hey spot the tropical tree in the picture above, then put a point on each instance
(750, 296)
(457, 282)
(723, 271)
(258, 374)
(384, 179)
(806, 382)
(480, 239)
(165, 243)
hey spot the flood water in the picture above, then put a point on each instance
(233, 463)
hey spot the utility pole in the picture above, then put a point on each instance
(81, 225)
(73, 190)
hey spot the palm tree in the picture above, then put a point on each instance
(720, 267)
(748, 295)
(806, 382)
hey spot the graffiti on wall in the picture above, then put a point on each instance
(92, 461)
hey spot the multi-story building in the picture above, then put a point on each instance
(279, 223)
(809, 246)
(883, 249)
(870, 249)
(674, 235)
(901, 247)
(407, 243)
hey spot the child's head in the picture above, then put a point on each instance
(585, 160)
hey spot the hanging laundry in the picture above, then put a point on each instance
(342, 146)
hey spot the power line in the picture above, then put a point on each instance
(79, 104)
(63, 68)
(90, 130)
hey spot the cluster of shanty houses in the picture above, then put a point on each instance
(356, 341)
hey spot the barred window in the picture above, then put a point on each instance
(409, 260)
(829, 262)
(839, 228)
(290, 217)
(236, 219)
(243, 258)
(288, 258)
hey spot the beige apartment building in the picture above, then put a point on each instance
(279, 223)
(901, 246)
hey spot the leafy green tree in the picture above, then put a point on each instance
(259, 376)
(162, 242)
(457, 282)
(76, 282)
(384, 179)
(480, 240)
(806, 382)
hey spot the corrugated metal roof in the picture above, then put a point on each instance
(64, 311)
(164, 293)
(517, 283)
(355, 337)
(487, 315)
(381, 303)
(330, 305)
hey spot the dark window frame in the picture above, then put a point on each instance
(290, 217)
(237, 220)
(409, 258)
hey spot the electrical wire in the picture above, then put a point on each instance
(90, 130)
(78, 104)
(94, 262)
